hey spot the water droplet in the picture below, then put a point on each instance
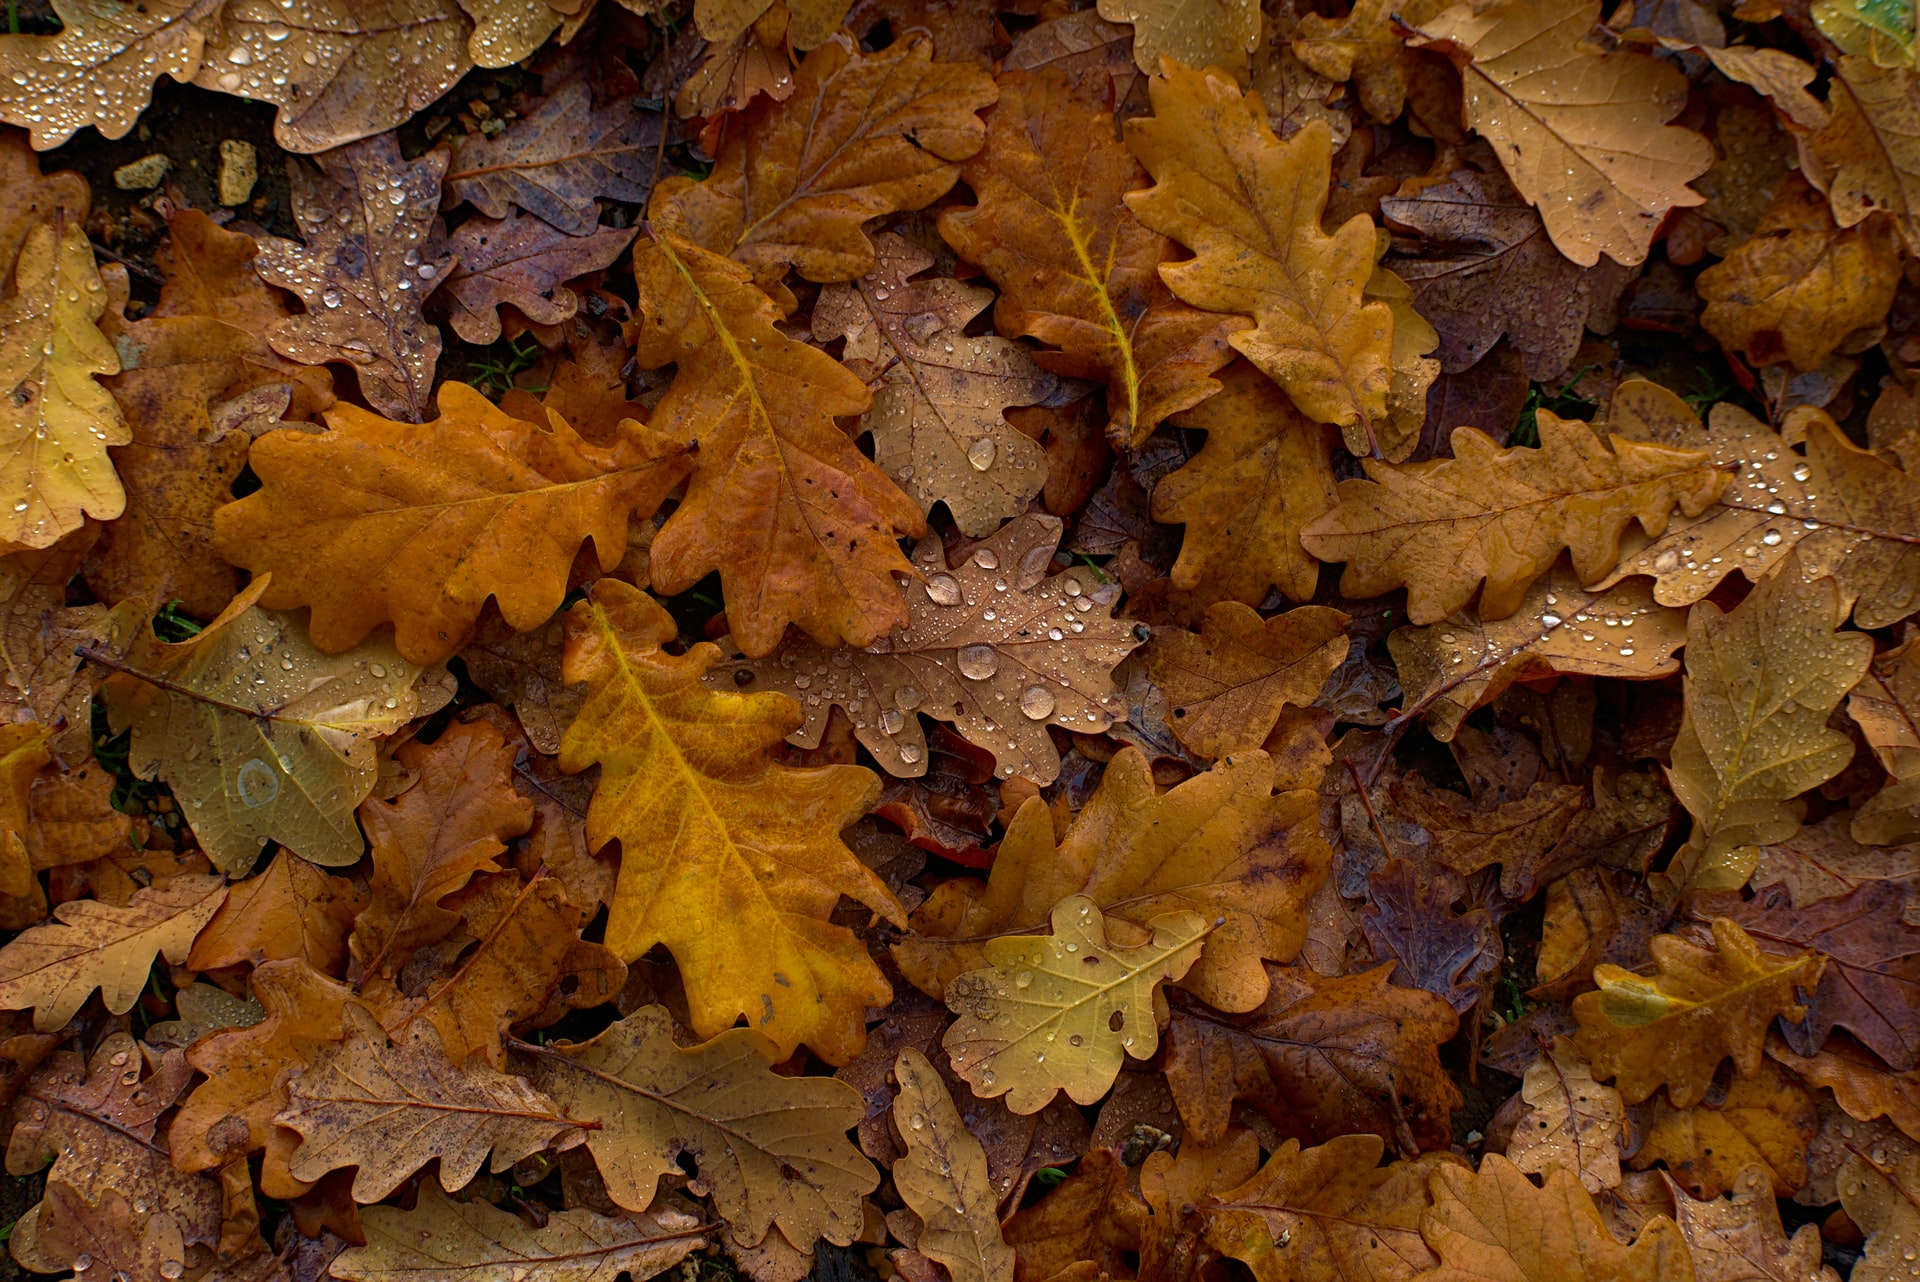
(1550, 620)
(891, 722)
(1023, 980)
(1771, 538)
(918, 1121)
(910, 753)
(978, 662)
(980, 454)
(986, 558)
(906, 698)
(1777, 508)
(943, 589)
(240, 55)
(1036, 702)
(172, 1268)
(1801, 471)
(378, 669)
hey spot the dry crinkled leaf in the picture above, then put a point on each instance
(939, 395)
(443, 1239)
(525, 263)
(1484, 267)
(1230, 681)
(863, 135)
(772, 1149)
(1365, 47)
(1495, 1225)
(1075, 269)
(54, 967)
(521, 670)
(1570, 1121)
(559, 161)
(1885, 1203)
(375, 521)
(1775, 74)
(943, 1177)
(992, 646)
(1221, 845)
(1766, 1118)
(1703, 1005)
(1800, 285)
(1504, 515)
(1582, 134)
(1738, 1238)
(1871, 146)
(1761, 682)
(1249, 206)
(454, 822)
(260, 735)
(799, 523)
(730, 860)
(388, 1108)
(1449, 668)
(100, 69)
(1850, 511)
(1886, 707)
(1264, 474)
(368, 262)
(1063, 1012)
(338, 70)
(291, 910)
(58, 420)
(1193, 33)
(1519, 834)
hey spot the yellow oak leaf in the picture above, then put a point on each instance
(943, 1177)
(99, 70)
(1871, 146)
(23, 750)
(731, 861)
(1196, 33)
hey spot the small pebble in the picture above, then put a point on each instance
(144, 173)
(239, 170)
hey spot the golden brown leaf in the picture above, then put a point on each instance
(1570, 1121)
(990, 646)
(813, 20)
(1582, 134)
(1194, 33)
(939, 395)
(1870, 149)
(260, 735)
(1885, 1203)
(433, 838)
(1520, 834)
(57, 420)
(23, 750)
(1075, 268)
(1222, 845)
(1766, 1119)
(291, 910)
(1229, 682)
(438, 518)
(1440, 527)
(56, 966)
(731, 861)
(70, 1229)
(1249, 206)
(27, 198)
(339, 70)
(1824, 861)
(443, 1239)
(772, 1149)
(1860, 1083)
(1063, 1012)
(99, 70)
(1738, 1238)
(1886, 707)
(1264, 475)
(799, 523)
(1702, 1005)
(1801, 284)
(44, 680)
(862, 135)
(388, 1108)
(1496, 1225)
(943, 1177)
(1365, 47)
(1761, 683)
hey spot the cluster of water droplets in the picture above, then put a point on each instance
(1765, 510)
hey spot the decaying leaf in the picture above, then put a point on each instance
(799, 523)
(995, 646)
(443, 1238)
(367, 263)
(73, 1232)
(1230, 681)
(943, 1177)
(1885, 1203)
(772, 1149)
(1249, 206)
(522, 262)
(731, 861)
(1886, 707)
(1704, 1004)
(100, 69)
(290, 910)
(55, 967)
(57, 420)
(1076, 269)
(387, 1108)
(1063, 1012)
(1570, 1121)
(1195, 33)
(1872, 145)
(376, 521)
(1761, 681)
(938, 393)
(1766, 1119)
(1738, 1238)
(1582, 134)
(1504, 515)
(1410, 919)
(863, 134)
(1238, 847)
(262, 736)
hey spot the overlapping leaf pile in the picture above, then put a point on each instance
(1145, 641)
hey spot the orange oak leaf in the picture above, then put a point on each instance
(292, 910)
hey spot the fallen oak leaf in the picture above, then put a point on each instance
(378, 521)
(1409, 918)
(1521, 835)
(1885, 1203)
(942, 1176)
(1738, 1238)
(1089, 1001)
(1870, 149)
(1195, 33)
(23, 751)
(100, 68)
(1766, 1119)
(290, 910)
(813, 21)
(521, 262)
(1229, 682)
(1569, 1120)
(73, 1232)
(1861, 1084)
(1886, 707)
(56, 966)
(29, 198)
